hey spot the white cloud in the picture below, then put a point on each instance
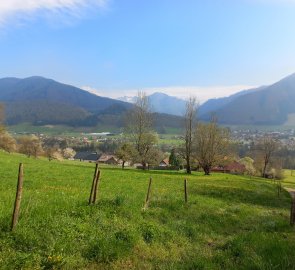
(201, 93)
(25, 9)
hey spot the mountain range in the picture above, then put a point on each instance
(42, 101)
(266, 105)
(162, 103)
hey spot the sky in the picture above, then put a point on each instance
(114, 48)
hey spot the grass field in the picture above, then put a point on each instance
(230, 222)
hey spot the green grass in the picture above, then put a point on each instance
(289, 180)
(230, 222)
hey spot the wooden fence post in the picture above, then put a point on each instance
(18, 196)
(185, 190)
(96, 186)
(93, 184)
(292, 212)
(147, 199)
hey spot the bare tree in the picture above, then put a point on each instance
(210, 145)
(190, 122)
(7, 142)
(139, 126)
(266, 147)
(30, 146)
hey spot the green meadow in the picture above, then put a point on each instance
(229, 222)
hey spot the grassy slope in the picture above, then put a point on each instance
(289, 181)
(230, 222)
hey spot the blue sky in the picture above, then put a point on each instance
(207, 48)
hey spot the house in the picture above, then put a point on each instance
(108, 159)
(220, 169)
(87, 156)
(236, 167)
(233, 167)
(164, 162)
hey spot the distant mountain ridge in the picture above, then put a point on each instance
(268, 105)
(162, 103)
(214, 104)
(39, 88)
(42, 101)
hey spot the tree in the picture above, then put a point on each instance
(266, 147)
(249, 165)
(7, 142)
(108, 146)
(126, 152)
(139, 127)
(210, 145)
(174, 159)
(154, 157)
(53, 153)
(190, 122)
(30, 146)
(68, 153)
(146, 151)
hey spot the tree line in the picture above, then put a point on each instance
(204, 145)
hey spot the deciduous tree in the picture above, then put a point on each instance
(125, 152)
(266, 148)
(210, 145)
(7, 142)
(189, 122)
(68, 153)
(139, 127)
(249, 165)
(30, 146)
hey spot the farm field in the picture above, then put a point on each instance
(229, 222)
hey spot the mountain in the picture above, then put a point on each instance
(162, 103)
(271, 105)
(212, 105)
(42, 101)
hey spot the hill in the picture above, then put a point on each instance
(271, 105)
(214, 104)
(229, 222)
(42, 101)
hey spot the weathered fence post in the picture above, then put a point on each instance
(147, 199)
(292, 212)
(96, 186)
(93, 184)
(18, 196)
(185, 190)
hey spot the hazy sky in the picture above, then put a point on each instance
(208, 48)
